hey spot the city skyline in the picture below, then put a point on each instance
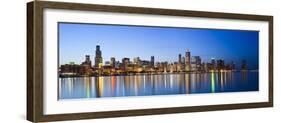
(78, 40)
(186, 64)
(93, 59)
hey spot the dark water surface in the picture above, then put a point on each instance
(162, 84)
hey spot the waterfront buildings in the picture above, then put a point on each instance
(137, 65)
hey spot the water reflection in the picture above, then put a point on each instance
(162, 84)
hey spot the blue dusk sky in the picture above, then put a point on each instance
(165, 44)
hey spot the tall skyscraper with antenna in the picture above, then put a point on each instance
(98, 56)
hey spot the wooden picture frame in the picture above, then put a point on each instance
(35, 46)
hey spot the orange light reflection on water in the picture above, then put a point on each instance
(100, 81)
(213, 81)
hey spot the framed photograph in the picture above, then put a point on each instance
(95, 61)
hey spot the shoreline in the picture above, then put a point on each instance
(162, 73)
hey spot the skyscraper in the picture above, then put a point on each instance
(214, 66)
(112, 61)
(179, 59)
(125, 63)
(183, 60)
(187, 60)
(98, 57)
(220, 64)
(87, 61)
(136, 60)
(152, 61)
(195, 63)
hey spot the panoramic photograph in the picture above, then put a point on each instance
(106, 61)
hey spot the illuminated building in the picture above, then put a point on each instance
(213, 67)
(125, 63)
(86, 66)
(209, 67)
(220, 64)
(107, 69)
(87, 61)
(196, 63)
(185, 63)
(70, 69)
(98, 58)
(179, 65)
(187, 60)
(171, 67)
(206, 67)
(136, 60)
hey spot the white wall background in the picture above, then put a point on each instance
(13, 61)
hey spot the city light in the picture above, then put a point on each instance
(186, 64)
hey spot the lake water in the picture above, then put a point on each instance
(162, 84)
